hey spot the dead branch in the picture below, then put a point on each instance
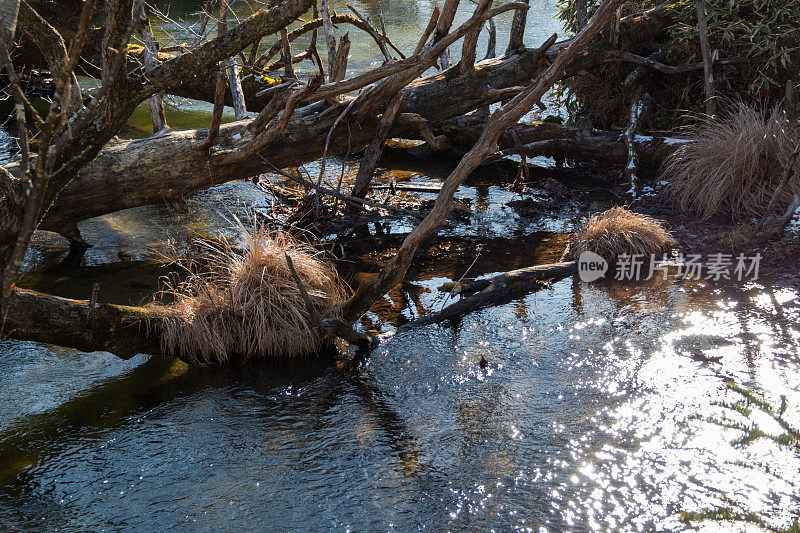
(340, 64)
(497, 290)
(517, 40)
(507, 115)
(288, 59)
(379, 38)
(443, 28)
(312, 26)
(122, 330)
(172, 165)
(705, 48)
(156, 102)
(275, 128)
(219, 93)
(470, 44)
(374, 151)
(329, 38)
(491, 45)
(428, 30)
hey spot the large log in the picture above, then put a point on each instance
(168, 166)
(119, 329)
(499, 290)
(559, 141)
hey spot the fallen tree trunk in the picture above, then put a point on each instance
(555, 140)
(119, 329)
(165, 167)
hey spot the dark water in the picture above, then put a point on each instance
(591, 414)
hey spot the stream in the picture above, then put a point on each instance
(592, 414)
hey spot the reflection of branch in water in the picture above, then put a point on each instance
(401, 439)
(778, 322)
(751, 351)
(748, 402)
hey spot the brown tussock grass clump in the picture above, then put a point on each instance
(734, 165)
(246, 304)
(619, 231)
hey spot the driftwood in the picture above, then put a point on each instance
(375, 149)
(496, 290)
(555, 140)
(171, 165)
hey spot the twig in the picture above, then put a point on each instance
(428, 30)
(359, 202)
(312, 312)
(329, 38)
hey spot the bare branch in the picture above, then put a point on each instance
(369, 291)
(329, 38)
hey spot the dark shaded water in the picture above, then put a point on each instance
(590, 415)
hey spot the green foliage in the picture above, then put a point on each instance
(767, 31)
(567, 12)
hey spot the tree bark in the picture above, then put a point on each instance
(555, 140)
(122, 330)
(375, 149)
(167, 167)
(517, 40)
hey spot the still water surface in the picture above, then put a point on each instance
(590, 416)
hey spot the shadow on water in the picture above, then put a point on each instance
(108, 415)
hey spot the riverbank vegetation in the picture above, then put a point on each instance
(753, 45)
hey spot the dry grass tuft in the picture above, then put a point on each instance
(734, 164)
(245, 303)
(620, 231)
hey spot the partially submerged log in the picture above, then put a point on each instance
(119, 329)
(170, 165)
(568, 142)
(498, 290)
